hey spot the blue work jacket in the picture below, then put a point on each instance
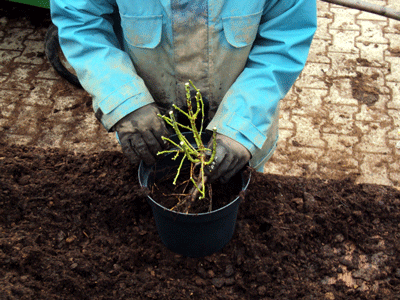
(243, 55)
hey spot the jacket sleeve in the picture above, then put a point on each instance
(277, 57)
(88, 41)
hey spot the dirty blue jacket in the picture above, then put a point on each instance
(243, 55)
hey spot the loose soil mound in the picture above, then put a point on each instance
(77, 227)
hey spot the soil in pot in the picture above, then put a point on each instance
(165, 193)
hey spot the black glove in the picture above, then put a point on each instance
(230, 158)
(140, 134)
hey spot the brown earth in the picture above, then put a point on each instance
(77, 226)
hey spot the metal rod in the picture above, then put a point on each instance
(368, 7)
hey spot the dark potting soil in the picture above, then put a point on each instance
(77, 227)
(174, 197)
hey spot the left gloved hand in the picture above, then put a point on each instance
(230, 157)
(140, 134)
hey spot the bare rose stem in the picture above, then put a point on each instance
(194, 193)
(194, 155)
(197, 188)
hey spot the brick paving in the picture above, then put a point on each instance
(341, 118)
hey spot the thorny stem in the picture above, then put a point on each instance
(194, 192)
(197, 155)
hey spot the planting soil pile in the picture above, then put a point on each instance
(77, 226)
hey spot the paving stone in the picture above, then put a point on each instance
(374, 169)
(323, 8)
(313, 76)
(38, 34)
(395, 115)
(285, 121)
(6, 56)
(311, 103)
(393, 4)
(373, 73)
(14, 39)
(394, 134)
(294, 161)
(283, 169)
(373, 52)
(277, 168)
(340, 120)
(340, 143)
(20, 78)
(3, 123)
(338, 166)
(340, 92)
(318, 51)
(8, 102)
(307, 132)
(48, 72)
(298, 153)
(17, 139)
(373, 138)
(394, 44)
(343, 41)
(64, 103)
(33, 53)
(394, 69)
(27, 120)
(382, 103)
(342, 64)
(284, 136)
(7, 109)
(50, 138)
(395, 95)
(40, 93)
(393, 27)
(395, 178)
(344, 19)
(372, 32)
(324, 21)
(394, 146)
(290, 98)
(369, 115)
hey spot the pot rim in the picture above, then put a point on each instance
(150, 169)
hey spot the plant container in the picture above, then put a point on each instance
(191, 235)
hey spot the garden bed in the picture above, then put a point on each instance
(77, 226)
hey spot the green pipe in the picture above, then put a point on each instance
(38, 3)
(368, 7)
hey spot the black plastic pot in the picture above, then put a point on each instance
(192, 235)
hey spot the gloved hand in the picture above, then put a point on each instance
(230, 157)
(140, 134)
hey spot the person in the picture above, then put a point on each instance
(134, 58)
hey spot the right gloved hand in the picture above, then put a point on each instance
(230, 157)
(140, 134)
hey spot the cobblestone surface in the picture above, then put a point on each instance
(341, 118)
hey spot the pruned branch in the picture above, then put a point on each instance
(198, 155)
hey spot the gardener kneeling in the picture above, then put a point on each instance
(135, 57)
